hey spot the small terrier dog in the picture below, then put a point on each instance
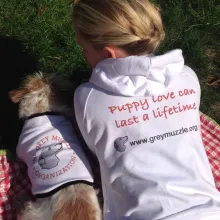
(57, 167)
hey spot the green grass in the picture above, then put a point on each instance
(44, 27)
(194, 26)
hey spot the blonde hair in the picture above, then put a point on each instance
(134, 25)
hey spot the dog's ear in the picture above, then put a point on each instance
(17, 94)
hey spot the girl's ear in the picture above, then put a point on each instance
(114, 52)
(17, 94)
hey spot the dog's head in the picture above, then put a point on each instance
(41, 93)
(119, 143)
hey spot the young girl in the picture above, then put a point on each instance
(139, 114)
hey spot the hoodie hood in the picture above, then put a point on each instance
(138, 75)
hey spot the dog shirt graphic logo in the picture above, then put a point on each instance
(119, 144)
(48, 158)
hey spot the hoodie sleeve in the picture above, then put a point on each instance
(188, 71)
(81, 98)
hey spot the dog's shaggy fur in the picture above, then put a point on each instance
(38, 94)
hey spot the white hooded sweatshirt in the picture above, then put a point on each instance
(140, 116)
(50, 148)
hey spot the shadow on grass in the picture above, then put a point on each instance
(15, 63)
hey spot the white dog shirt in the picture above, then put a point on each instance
(51, 150)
